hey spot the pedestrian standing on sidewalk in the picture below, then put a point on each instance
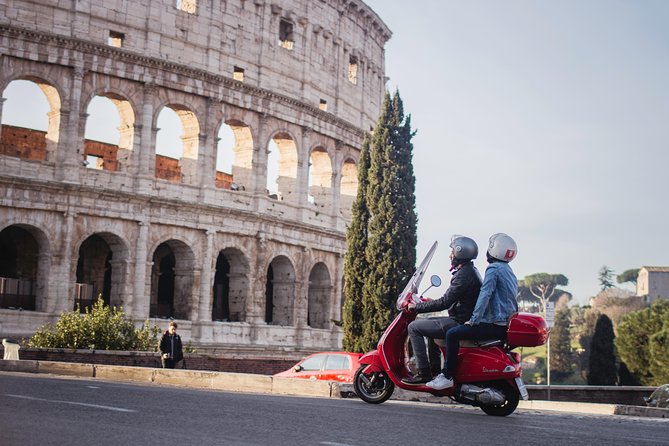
(171, 350)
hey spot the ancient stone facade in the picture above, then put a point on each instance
(165, 237)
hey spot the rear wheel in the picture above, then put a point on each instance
(373, 388)
(510, 403)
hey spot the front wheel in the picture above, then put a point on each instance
(510, 402)
(373, 388)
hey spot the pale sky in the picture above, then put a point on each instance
(547, 120)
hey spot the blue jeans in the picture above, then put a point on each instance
(477, 332)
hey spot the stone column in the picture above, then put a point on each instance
(65, 292)
(303, 166)
(208, 150)
(2, 101)
(70, 148)
(335, 188)
(140, 301)
(204, 312)
(259, 185)
(147, 163)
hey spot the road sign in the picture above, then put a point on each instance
(550, 313)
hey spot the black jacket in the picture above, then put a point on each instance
(460, 297)
(166, 347)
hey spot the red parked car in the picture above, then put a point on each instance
(327, 366)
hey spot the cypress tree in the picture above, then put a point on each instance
(355, 262)
(602, 370)
(561, 353)
(391, 248)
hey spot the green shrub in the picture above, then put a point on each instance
(100, 327)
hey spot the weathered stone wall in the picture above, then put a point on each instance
(145, 58)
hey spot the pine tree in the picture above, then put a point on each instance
(391, 248)
(602, 370)
(355, 263)
(561, 353)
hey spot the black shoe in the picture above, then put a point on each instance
(418, 380)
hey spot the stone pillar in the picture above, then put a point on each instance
(65, 292)
(70, 148)
(140, 301)
(335, 188)
(147, 163)
(260, 163)
(303, 166)
(255, 304)
(2, 101)
(208, 149)
(204, 311)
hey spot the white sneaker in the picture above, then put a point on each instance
(440, 383)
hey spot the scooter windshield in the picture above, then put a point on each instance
(414, 282)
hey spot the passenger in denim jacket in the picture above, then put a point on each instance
(495, 305)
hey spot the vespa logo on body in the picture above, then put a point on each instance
(490, 371)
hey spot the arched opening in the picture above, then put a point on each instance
(93, 272)
(19, 253)
(348, 187)
(101, 271)
(320, 179)
(172, 276)
(280, 292)
(319, 297)
(282, 168)
(230, 286)
(234, 156)
(30, 120)
(109, 133)
(177, 143)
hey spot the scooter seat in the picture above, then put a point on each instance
(482, 343)
(472, 344)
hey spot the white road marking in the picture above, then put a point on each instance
(92, 387)
(96, 406)
(330, 443)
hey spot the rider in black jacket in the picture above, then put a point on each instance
(459, 299)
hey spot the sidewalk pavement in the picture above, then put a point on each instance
(241, 382)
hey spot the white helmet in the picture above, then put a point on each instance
(502, 247)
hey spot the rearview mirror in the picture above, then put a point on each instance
(435, 280)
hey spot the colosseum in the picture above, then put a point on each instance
(237, 263)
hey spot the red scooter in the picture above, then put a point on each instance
(488, 373)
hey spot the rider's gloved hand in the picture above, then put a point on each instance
(424, 299)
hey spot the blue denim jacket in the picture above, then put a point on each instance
(497, 298)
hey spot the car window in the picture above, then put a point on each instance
(337, 362)
(313, 363)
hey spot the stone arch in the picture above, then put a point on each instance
(24, 267)
(39, 145)
(240, 173)
(348, 186)
(231, 286)
(280, 292)
(286, 167)
(320, 178)
(172, 280)
(319, 296)
(111, 155)
(180, 167)
(102, 269)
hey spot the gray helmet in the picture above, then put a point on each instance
(464, 248)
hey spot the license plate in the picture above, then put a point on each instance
(522, 389)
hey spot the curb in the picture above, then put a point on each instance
(242, 382)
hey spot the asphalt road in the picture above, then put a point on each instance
(44, 410)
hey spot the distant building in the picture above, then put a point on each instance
(653, 283)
